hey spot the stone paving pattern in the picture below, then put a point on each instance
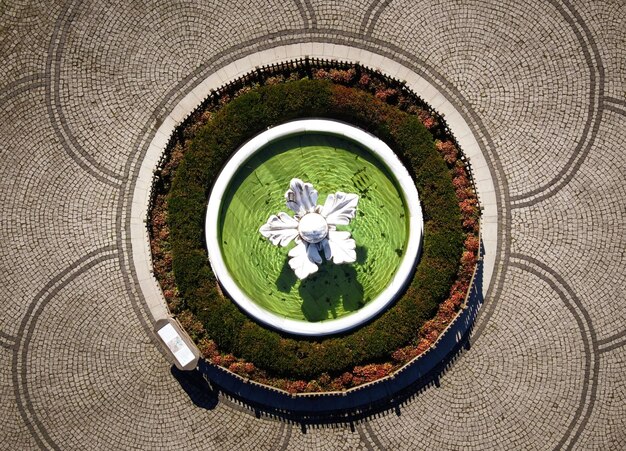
(83, 84)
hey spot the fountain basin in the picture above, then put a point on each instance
(234, 255)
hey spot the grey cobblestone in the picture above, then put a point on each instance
(13, 433)
(51, 212)
(508, 391)
(520, 83)
(104, 368)
(580, 233)
(607, 428)
(336, 14)
(26, 28)
(119, 61)
(606, 20)
(326, 439)
(83, 86)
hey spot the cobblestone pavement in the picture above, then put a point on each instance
(85, 83)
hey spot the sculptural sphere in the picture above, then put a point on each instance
(313, 228)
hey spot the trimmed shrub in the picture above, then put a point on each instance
(297, 357)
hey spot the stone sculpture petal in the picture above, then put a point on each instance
(300, 261)
(280, 229)
(313, 253)
(342, 247)
(340, 208)
(326, 247)
(301, 197)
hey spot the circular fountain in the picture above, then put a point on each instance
(328, 266)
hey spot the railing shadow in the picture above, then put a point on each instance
(352, 406)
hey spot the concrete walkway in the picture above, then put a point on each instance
(85, 85)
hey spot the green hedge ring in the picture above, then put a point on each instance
(219, 320)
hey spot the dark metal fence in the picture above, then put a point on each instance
(380, 396)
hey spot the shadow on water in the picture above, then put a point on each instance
(361, 255)
(332, 285)
(286, 279)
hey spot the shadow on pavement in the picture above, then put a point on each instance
(196, 387)
(351, 407)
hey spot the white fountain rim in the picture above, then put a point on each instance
(405, 269)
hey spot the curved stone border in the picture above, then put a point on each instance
(589, 337)
(351, 133)
(21, 348)
(423, 88)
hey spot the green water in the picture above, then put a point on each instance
(331, 164)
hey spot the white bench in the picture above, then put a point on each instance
(185, 354)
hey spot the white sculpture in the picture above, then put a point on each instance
(313, 228)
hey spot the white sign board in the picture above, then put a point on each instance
(176, 344)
